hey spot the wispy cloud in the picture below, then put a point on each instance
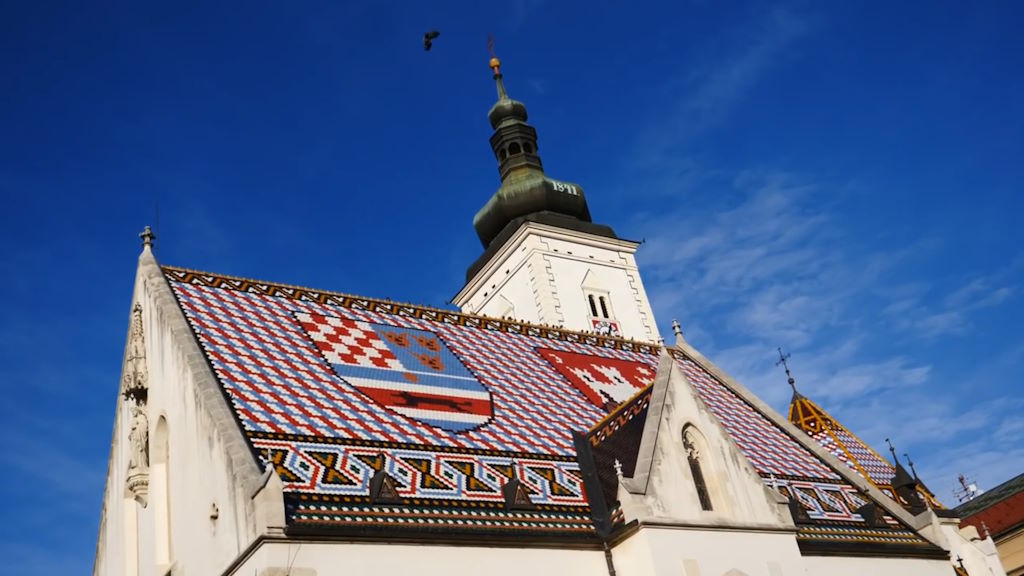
(931, 316)
(720, 84)
(764, 257)
(709, 90)
(773, 265)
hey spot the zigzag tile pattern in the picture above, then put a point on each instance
(326, 437)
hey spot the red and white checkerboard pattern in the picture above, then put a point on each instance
(344, 341)
(279, 382)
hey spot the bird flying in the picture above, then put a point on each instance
(428, 39)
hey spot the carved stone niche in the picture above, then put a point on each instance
(135, 389)
(135, 385)
(137, 482)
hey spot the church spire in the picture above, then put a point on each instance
(784, 361)
(514, 141)
(526, 193)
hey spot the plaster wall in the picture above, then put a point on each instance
(857, 566)
(511, 284)
(201, 478)
(541, 270)
(979, 555)
(1011, 552)
(675, 551)
(663, 488)
(341, 558)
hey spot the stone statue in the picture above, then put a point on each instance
(139, 438)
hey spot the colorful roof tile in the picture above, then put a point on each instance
(847, 447)
(784, 464)
(385, 416)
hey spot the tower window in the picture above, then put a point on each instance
(593, 305)
(503, 154)
(604, 308)
(514, 149)
(527, 147)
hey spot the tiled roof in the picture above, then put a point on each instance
(782, 462)
(1001, 508)
(847, 446)
(851, 450)
(335, 391)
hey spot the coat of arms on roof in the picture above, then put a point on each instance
(409, 371)
(606, 382)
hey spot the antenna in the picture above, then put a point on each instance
(156, 218)
(968, 489)
(783, 361)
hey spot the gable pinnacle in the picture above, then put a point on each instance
(911, 463)
(893, 451)
(678, 331)
(783, 360)
(148, 238)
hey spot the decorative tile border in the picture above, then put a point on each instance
(423, 475)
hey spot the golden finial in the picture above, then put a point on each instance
(495, 63)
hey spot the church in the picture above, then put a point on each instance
(545, 428)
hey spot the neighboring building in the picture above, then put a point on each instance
(999, 513)
(272, 430)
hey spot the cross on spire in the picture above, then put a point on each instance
(783, 360)
(148, 237)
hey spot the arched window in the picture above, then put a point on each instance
(514, 148)
(160, 490)
(503, 154)
(692, 446)
(593, 305)
(604, 308)
(527, 147)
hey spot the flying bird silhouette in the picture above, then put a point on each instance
(428, 39)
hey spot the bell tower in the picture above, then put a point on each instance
(545, 260)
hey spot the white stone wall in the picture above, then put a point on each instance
(663, 488)
(855, 566)
(979, 555)
(207, 462)
(347, 558)
(541, 270)
(677, 551)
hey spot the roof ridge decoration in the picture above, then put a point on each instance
(825, 429)
(326, 435)
(344, 300)
(817, 498)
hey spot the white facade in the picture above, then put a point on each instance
(209, 509)
(207, 499)
(547, 275)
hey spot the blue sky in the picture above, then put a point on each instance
(843, 181)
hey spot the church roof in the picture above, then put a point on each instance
(854, 452)
(848, 447)
(784, 464)
(380, 416)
